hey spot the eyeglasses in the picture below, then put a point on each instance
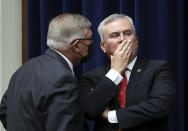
(91, 39)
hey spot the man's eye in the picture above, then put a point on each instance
(114, 35)
(128, 33)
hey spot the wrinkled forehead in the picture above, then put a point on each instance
(117, 25)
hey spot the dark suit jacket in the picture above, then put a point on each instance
(150, 96)
(42, 96)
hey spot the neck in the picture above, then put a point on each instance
(68, 55)
(72, 56)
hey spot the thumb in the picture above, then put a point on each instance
(111, 57)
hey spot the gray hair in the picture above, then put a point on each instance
(65, 28)
(110, 19)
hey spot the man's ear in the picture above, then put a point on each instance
(102, 47)
(75, 45)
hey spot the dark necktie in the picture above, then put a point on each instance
(122, 94)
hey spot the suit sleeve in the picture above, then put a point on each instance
(3, 110)
(62, 105)
(96, 94)
(158, 104)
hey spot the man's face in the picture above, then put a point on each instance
(84, 43)
(115, 33)
(81, 48)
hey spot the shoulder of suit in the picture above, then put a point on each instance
(155, 63)
(46, 64)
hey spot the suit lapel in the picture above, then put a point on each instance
(136, 74)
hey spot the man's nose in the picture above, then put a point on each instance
(121, 38)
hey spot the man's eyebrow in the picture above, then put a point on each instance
(119, 32)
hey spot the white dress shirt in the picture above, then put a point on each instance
(117, 78)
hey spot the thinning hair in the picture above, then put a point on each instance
(110, 19)
(65, 28)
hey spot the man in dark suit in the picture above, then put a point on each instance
(150, 92)
(43, 94)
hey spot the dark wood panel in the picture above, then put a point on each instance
(24, 31)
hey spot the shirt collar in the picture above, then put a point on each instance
(66, 59)
(130, 65)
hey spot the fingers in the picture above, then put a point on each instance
(111, 57)
(127, 48)
(120, 47)
(120, 58)
(124, 47)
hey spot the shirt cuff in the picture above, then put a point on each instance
(112, 118)
(114, 76)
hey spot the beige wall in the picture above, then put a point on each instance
(10, 41)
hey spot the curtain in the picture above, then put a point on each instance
(160, 27)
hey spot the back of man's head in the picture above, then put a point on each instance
(65, 28)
